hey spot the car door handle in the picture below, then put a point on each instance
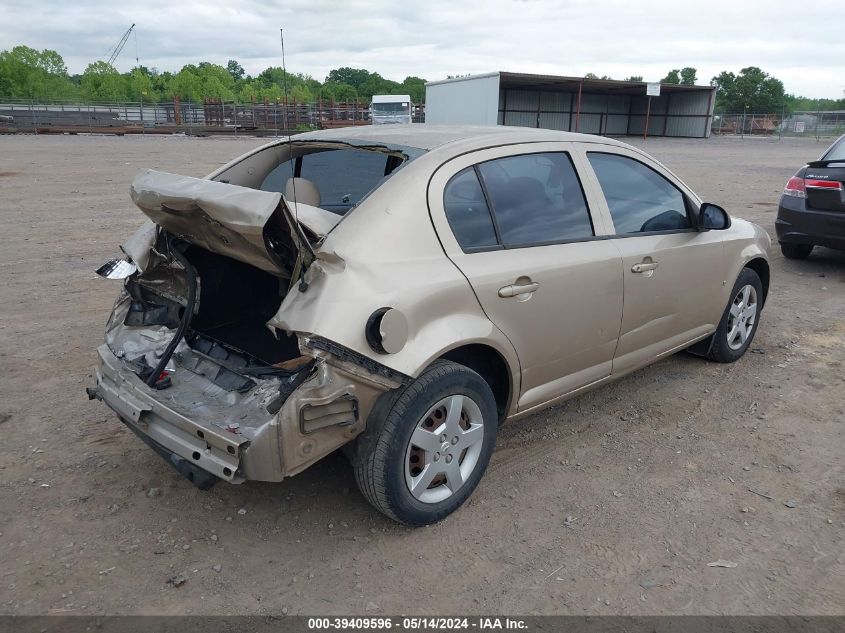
(514, 290)
(644, 267)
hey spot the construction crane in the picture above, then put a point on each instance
(119, 46)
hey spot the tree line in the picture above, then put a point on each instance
(750, 90)
(26, 73)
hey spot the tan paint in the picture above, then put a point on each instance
(396, 250)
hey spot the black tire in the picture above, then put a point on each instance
(796, 251)
(380, 464)
(721, 350)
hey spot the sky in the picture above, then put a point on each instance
(798, 43)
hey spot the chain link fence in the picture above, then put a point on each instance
(821, 124)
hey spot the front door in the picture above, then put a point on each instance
(673, 274)
(525, 239)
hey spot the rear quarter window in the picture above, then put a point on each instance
(467, 211)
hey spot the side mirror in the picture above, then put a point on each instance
(712, 217)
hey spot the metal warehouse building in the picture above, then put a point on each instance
(591, 106)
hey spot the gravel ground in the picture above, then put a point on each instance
(614, 502)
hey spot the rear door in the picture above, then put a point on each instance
(673, 274)
(516, 222)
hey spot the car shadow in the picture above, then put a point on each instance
(821, 261)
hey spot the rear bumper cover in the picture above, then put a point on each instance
(796, 224)
(212, 449)
(202, 479)
(327, 410)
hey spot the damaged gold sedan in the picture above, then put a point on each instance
(400, 292)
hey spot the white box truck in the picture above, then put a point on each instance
(391, 109)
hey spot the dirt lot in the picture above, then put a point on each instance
(612, 503)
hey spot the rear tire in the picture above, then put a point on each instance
(796, 251)
(433, 447)
(740, 320)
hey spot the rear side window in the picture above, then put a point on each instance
(640, 200)
(467, 211)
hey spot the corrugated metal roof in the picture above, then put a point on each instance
(568, 84)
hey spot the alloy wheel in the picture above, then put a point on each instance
(742, 316)
(444, 449)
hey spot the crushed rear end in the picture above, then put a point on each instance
(189, 361)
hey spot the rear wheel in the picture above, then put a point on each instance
(739, 322)
(796, 251)
(433, 447)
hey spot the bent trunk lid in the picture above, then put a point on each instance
(252, 226)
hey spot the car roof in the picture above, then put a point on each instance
(426, 137)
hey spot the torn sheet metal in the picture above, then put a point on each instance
(222, 218)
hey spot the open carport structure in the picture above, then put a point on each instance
(576, 104)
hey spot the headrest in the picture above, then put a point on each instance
(306, 192)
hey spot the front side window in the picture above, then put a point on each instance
(640, 200)
(536, 199)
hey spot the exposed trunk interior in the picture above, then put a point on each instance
(235, 302)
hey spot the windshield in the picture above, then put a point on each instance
(397, 107)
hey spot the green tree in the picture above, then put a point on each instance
(101, 82)
(139, 84)
(276, 76)
(248, 91)
(414, 86)
(751, 89)
(338, 91)
(672, 77)
(354, 77)
(591, 76)
(26, 73)
(235, 69)
(215, 81)
(688, 76)
(377, 85)
(798, 104)
(635, 78)
(186, 84)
